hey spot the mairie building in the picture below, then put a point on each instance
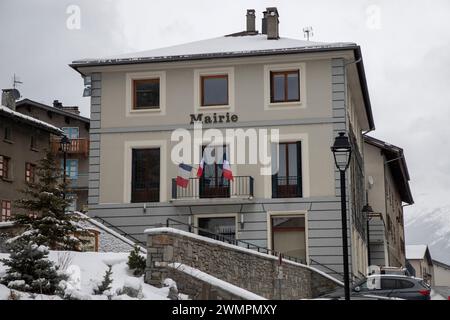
(308, 91)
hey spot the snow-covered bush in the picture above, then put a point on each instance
(105, 286)
(136, 262)
(29, 268)
(173, 289)
(132, 287)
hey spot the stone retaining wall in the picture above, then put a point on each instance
(256, 272)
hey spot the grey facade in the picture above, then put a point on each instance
(337, 100)
(23, 142)
(66, 117)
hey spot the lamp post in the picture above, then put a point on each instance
(342, 151)
(64, 145)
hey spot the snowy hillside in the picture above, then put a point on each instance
(428, 225)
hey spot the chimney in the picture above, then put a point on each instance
(264, 23)
(57, 104)
(272, 23)
(8, 99)
(251, 20)
(72, 109)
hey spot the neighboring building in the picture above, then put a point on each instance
(23, 141)
(309, 91)
(420, 259)
(388, 188)
(76, 128)
(441, 273)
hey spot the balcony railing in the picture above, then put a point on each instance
(81, 181)
(286, 187)
(77, 146)
(214, 187)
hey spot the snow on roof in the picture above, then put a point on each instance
(223, 46)
(416, 252)
(238, 248)
(31, 120)
(231, 288)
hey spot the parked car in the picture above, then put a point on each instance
(387, 285)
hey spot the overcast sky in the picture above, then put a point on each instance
(405, 45)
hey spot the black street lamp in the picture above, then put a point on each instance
(342, 151)
(64, 145)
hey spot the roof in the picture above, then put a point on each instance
(441, 264)
(7, 112)
(417, 252)
(395, 159)
(52, 109)
(241, 44)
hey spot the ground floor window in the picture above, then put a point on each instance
(6, 210)
(145, 172)
(217, 227)
(288, 235)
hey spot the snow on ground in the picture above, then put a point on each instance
(87, 269)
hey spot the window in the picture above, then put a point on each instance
(288, 235)
(33, 142)
(73, 202)
(72, 132)
(4, 167)
(71, 168)
(212, 182)
(30, 172)
(6, 210)
(214, 90)
(146, 94)
(145, 175)
(287, 183)
(7, 134)
(215, 227)
(284, 86)
(404, 284)
(388, 284)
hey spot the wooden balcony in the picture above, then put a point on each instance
(77, 146)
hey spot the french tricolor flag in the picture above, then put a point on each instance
(184, 172)
(200, 168)
(227, 173)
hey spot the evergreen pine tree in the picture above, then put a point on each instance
(106, 283)
(44, 206)
(136, 262)
(29, 269)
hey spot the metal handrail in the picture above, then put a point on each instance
(121, 232)
(312, 261)
(237, 242)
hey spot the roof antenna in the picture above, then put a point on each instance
(16, 81)
(308, 32)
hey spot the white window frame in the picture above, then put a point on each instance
(78, 129)
(198, 73)
(268, 105)
(297, 213)
(144, 144)
(129, 94)
(218, 215)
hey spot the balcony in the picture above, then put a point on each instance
(213, 188)
(286, 187)
(81, 181)
(77, 146)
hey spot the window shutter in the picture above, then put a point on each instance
(299, 169)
